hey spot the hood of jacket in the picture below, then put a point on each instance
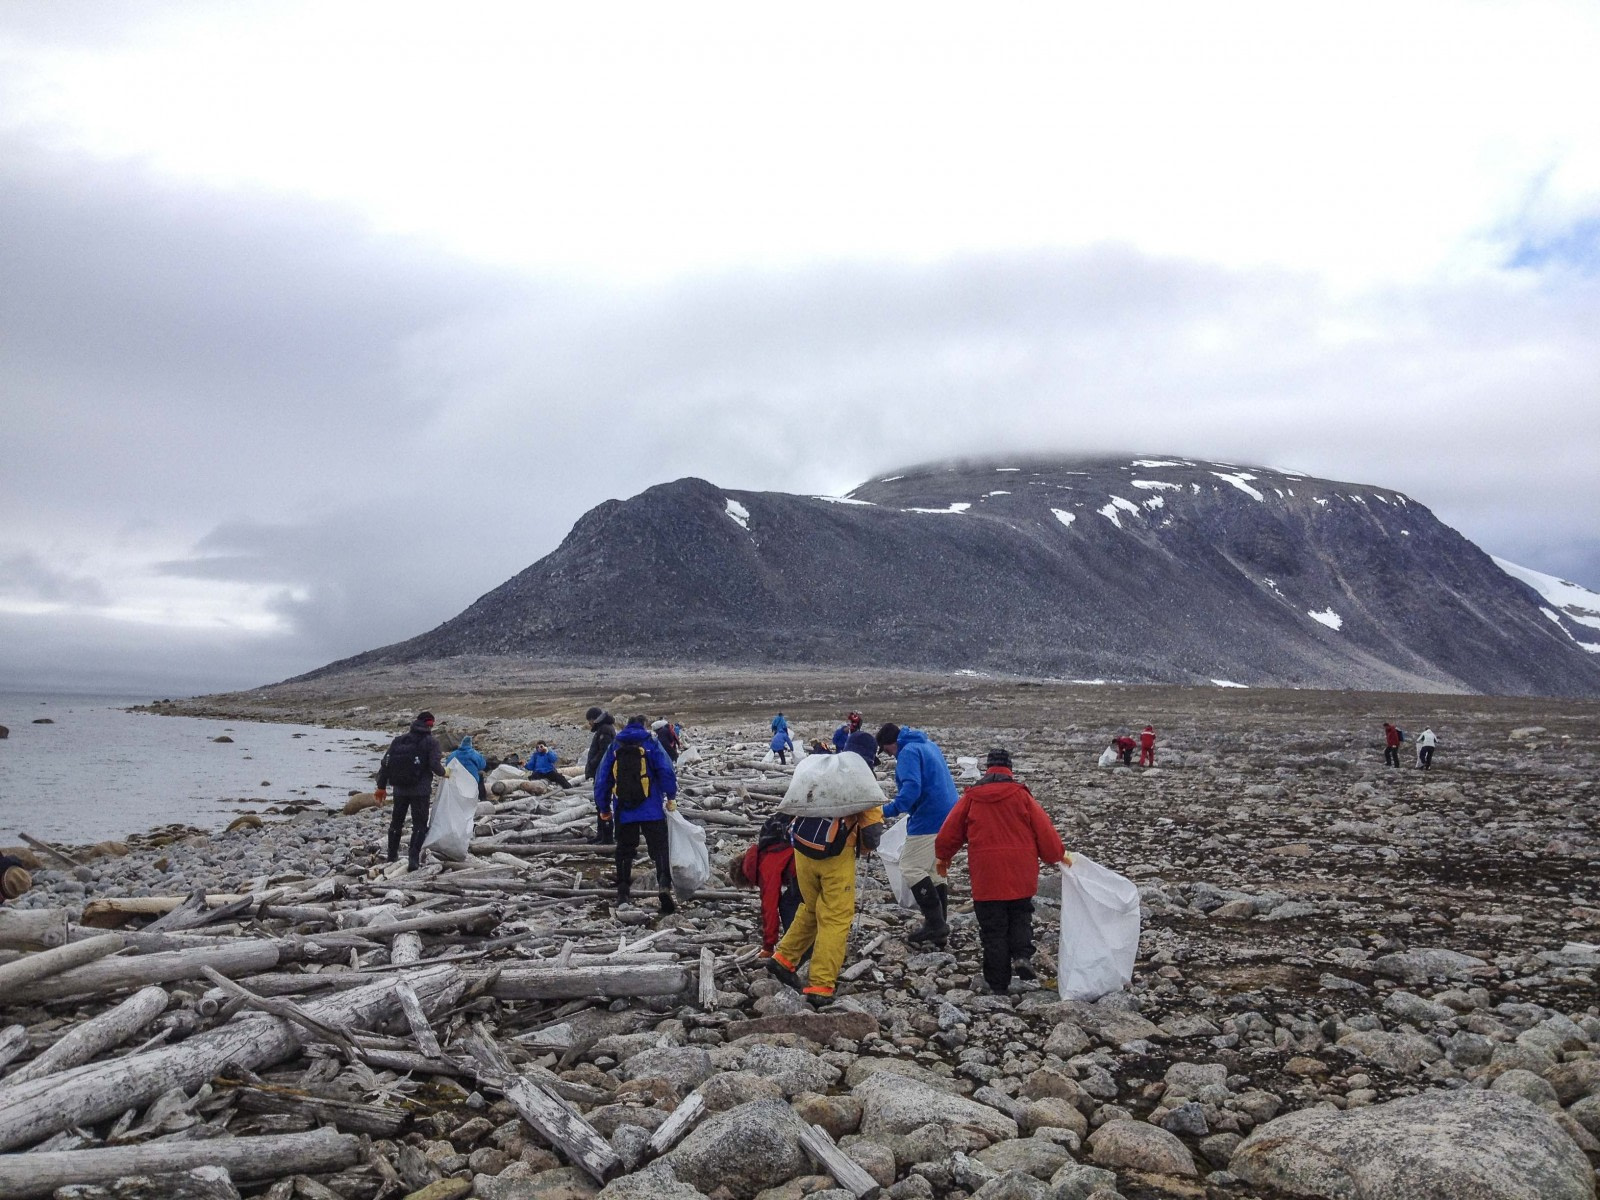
(983, 795)
(910, 737)
(863, 743)
(421, 728)
(605, 720)
(634, 735)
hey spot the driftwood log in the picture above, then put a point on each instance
(53, 962)
(555, 983)
(23, 1176)
(117, 974)
(83, 1042)
(32, 928)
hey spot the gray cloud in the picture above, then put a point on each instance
(376, 434)
(26, 576)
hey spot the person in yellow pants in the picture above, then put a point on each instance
(825, 868)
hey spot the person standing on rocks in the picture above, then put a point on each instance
(1007, 834)
(782, 743)
(542, 765)
(769, 865)
(1147, 747)
(926, 792)
(411, 763)
(1391, 745)
(667, 734)
(780, 724)
(1426, 741)
(604, 728)
(634, 789)
(841, 735)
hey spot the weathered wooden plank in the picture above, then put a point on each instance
(708, 979)
(846, 1171)
(679, 1123)
(548, 983)
(32, 928)
(427, 1042)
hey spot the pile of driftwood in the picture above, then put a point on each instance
(304, 1036)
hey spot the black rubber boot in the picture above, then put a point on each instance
(944, 901)
(1021, 968)
(668, 904)
(784, 975)
(933, 928)
(604, 835)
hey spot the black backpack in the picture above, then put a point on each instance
(405, 760)
(630, 776)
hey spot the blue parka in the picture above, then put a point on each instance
(781, 741)
(924, 787)
(543, 762)
(468, 757)
(841, 737)
(663, 779)
(779, 724)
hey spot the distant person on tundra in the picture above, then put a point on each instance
(926, 792)
(604, 728)
(1125, 745)
(412, 761)
(667, 734)
(1426, 741)
(633, 790)
(1147, 747)
(769, 865)
(1007, 835)
(781, 745)
(542, 765)
(1392, 738)
(841, 735)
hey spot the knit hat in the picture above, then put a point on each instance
(425, 717)
(999, 757)
(594, 714)
(14, 882)
(888, 733)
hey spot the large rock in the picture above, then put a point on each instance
(745, 1149)
(655, 1182)
(684, 1067)
(1035, 1156)
(794, 1071)
(1419, 966)
(866, 1067)
(1135, 1146)
(821, 1028)
(1463, 1145)
(1402, 1052)
(893, 1104)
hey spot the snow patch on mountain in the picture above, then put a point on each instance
(1574, 600)
(1228, 683)
(1238, 479)
(1155, 502)
(1328, 617)
(1064, 516)
(1109, 512)
(1157, 462)
(845, 500)
(960, 506)
(740, 515)
(1156, 484)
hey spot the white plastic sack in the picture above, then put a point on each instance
(687, 855)
(890, 847)
(769, 758)
(450, 822)
(1108, 757)
(505, 771)
(1099, 930)
(691, 755)
(969, 768)
(831, 785)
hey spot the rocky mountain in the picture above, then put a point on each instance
(1138, 569)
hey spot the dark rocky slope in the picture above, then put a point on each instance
(1161, 570)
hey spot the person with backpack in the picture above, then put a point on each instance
(1426, 741)
(825, 853)
(411, 763)
(1147, 746)
(781, 744)
(604, 728)
(542, 765)
(634, 788)
(1392, 737)
(667, 734)
(769, 865)
(926, 792)
(1007, 834)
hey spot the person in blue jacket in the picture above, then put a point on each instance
(841, 735)
(781, 744)
(780, 724)
(542, 765)
(470, 757)
(926, 792)
(634, 789)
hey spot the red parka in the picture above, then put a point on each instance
(1006, 834)
(771, 867)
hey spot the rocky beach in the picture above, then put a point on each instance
(1353, 981)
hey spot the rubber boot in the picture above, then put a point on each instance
(668, 905)
(604, 835)
(1021, 968)
(933, 928)
(783, 973)
(944, 901)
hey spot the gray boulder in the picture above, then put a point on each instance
(1136, 1146)
(1078, 1181)
(1463, 1145)
(746, 1149)
(684, 1067)
(794, 1071)
(1035, 1156)
(655, 1182)
(1419, 966)
(893, 1104)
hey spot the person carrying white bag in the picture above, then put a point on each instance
(635, 787)
(1006, 834)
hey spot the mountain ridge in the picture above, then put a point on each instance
(1148, 568)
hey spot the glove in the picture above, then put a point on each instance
(383, 795)
(941, 866)
(672, 806)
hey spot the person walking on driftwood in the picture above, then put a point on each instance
(604, 727)
(634, 789)
(926, 792)
(410, 765)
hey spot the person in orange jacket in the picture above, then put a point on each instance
(1007, 835)
(1147, 747)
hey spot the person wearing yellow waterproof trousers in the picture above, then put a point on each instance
(825, 852)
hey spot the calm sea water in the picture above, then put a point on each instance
(99, 772)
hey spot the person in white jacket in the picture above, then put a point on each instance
(1426, 741)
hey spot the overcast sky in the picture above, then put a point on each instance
(318, 321)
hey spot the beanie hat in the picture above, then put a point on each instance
(425, 717)
(999, 757)
(888, 733)
(14, 882)
(594, 714)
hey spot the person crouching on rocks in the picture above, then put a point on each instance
(634, 789)
(1007, 835)
(769, 866)
(925, 790)
(412, 761)
(825, 853)
(1125, 745)
(542, 765)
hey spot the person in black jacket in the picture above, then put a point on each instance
(413, 759)
(604, 726)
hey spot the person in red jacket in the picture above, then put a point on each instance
(1147, 747)
(769, 866)
(1125, 745)
(1391, 745)
(1007, 835)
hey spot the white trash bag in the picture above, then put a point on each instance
(450, 822)
(1099, 930)
(890, 847)
(969, 768)
(505, 772)
(691, 755)
(770, 757)
(831, 785)
(687, 855)
(1108, 757)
